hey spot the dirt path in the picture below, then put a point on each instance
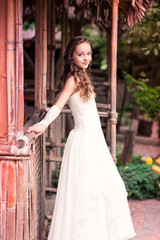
(146, 219)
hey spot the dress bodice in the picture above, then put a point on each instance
(84, 113)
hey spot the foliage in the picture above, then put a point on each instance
(55, 175)
(140, 180)
(27, 25)
(146, 34)
(146, 97)
(98, 40)
(139, 47)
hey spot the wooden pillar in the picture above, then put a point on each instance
(53, 25)
(64, 33)
(113, 80)
(19, 67)
(63, 40)
(11, 81)
(38, 55)
(44, 55)
(3, 73)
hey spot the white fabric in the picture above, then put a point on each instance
(50, 116)
(91, 201)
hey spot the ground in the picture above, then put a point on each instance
(145, 216)
(146, 219)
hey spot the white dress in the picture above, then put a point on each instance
(91, 201)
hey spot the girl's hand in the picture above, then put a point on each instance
(38, 129)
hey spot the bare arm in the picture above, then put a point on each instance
(68, 90)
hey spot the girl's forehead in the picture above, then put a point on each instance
(83, 47)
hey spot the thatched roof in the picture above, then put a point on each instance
(130, 10)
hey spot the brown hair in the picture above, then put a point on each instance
(82, 78)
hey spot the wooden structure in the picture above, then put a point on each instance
(22, 169)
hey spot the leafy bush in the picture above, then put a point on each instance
(147, 98)
(140, 180)
(55, 176)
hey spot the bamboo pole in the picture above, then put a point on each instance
(3, 73)
(38, 55)
(11, 69)
(44, 103)
(53, 25)
(113, 80)
(44, 55)
(108, 44)
(19, 67)
(63, 39)
(49, 16)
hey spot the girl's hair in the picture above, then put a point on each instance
(82, 78)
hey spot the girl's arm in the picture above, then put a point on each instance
(52, 114)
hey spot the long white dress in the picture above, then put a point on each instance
(91, 201)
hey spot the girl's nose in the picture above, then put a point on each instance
(85, 57)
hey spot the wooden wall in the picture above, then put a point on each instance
(21, 172)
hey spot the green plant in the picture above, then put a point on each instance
(147, 98)
(140, 180)
(55, 176)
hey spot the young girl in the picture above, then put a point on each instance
(91, 201)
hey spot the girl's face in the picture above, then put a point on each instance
(82, 55)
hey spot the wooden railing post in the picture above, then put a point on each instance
(113, 80)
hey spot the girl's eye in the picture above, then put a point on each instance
(79, 54)
(89, 53)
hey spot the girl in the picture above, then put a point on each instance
(91, 201)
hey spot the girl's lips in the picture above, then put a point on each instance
(86, 63)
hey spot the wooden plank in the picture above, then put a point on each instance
(53, 159)
(26, 220)
(51, 143)
(20, 200)
(50, 189)
(11, 200)
(3, 199)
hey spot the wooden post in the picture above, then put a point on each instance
(113, 80)
(64, 33)
(44, 54)
(3, 73)
(38, 55)
(127, 154)
(11, 69)
(63, 39)
(19, 67)
(53, 25)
